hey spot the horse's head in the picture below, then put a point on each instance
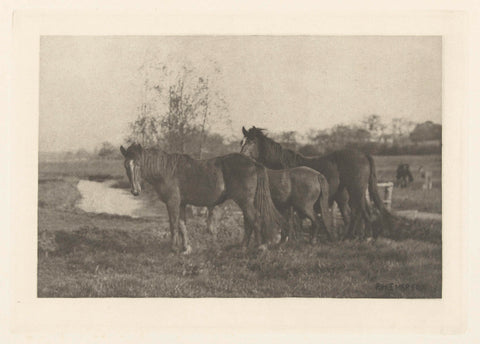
(250, 142)
(133, 155)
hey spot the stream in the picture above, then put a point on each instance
(101, 197)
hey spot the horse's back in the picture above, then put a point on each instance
(240, 175)
(238, 166)
(349, 157)
(353, 166)
(201, 182)
(306, 180)
(305, 171)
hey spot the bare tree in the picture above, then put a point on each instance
(179, 102)
(374, 125)
(145, 130)
(401, 128)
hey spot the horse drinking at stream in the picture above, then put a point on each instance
(180, 180)
(349, 174)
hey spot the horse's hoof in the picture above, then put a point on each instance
(187, 250)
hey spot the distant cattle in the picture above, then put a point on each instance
(427, 178)
(404, 176)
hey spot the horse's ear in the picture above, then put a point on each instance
(124, 152)
(244, 131)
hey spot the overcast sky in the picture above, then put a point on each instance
(91, 87)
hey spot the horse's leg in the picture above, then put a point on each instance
(354, 214)
(342, 199)
(248, 223)
(173, 207)
(211, 221)
(366, 215)
(183, 230)
(360, 215)
(352, 224)
(314, 228)
(250, 215)
(288, 231)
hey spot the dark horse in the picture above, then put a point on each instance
(349, 174)
(404, 176)
(180, 180)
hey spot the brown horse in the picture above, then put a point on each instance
(301, 189)
(304, 190)
(349, 174)
(180, 180)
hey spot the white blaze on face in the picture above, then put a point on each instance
(134, 177)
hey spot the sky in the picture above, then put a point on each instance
(91, 87)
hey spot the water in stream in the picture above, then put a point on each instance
(100, 197)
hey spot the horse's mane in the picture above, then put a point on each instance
(270, 150)
(157, 163)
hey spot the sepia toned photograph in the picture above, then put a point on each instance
(246, 166)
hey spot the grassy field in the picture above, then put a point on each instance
(99, 255)
(413, 197)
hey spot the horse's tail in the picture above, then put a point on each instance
(271, 221)
(322, 205)
(386, 216)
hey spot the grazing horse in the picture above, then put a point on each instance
(427, 178)
(349, 174)
(180, 180)
(404, 176)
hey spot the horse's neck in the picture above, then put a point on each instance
(148, 163)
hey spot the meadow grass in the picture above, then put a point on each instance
(98, 255)
(129, 259)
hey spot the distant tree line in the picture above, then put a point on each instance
(399, 137)
(414, 139)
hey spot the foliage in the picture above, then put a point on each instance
(145, 130)
(374, 125)
(339, 137)
(374, 138)
(180, 102)
(426, 131)
(309, 150)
